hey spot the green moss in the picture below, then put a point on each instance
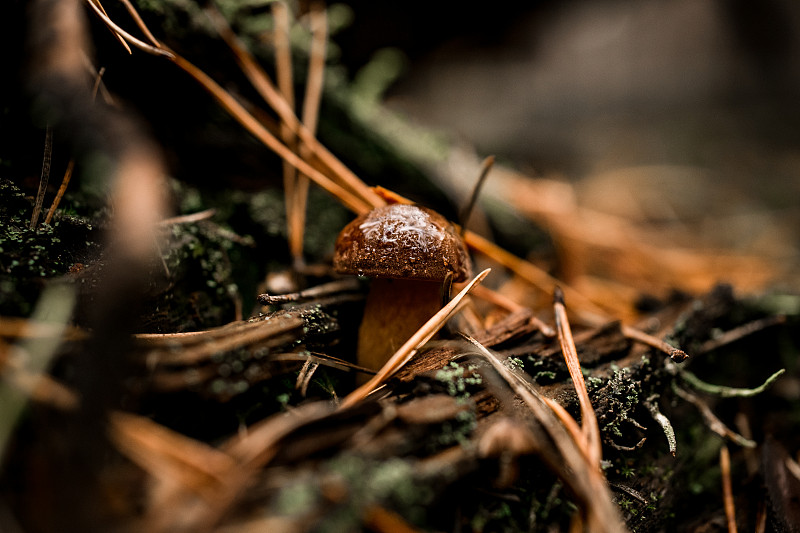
(29, 257)
(392, 483)
(514, 363)
(201, 288)
(296, 499)
(457, 431)
(459, 380)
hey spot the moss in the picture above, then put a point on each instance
(213, 262)
(391, 483)
(545, 370)
(296, 499)
(29, 257)
(456, 431)
(459, 381)
(200, 287)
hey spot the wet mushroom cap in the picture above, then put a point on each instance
(404, 242)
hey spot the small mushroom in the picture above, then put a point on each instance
(408, 251)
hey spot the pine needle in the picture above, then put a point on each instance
(283, 73)
(318, 17)
(591, 430)
(48, 154)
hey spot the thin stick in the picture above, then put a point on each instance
(463, 217)
(666, 426)
(589, 425)
(48, 153)
(409, 349)
(674, 353)
(727, 490)
(265, 332)
(140, 23)
(728, 392)
(190, 218)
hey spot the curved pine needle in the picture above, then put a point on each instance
(245, 119)
(463, 217)
(140, 23)
(119, 39)
(138, 43)
(48, 153)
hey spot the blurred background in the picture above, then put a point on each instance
(656, 143)
(667, 112)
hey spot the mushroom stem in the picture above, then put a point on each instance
(395, 310)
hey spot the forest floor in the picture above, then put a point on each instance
(178, 352)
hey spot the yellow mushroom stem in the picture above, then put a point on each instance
(395, 310)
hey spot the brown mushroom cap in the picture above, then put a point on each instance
(401, 241)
